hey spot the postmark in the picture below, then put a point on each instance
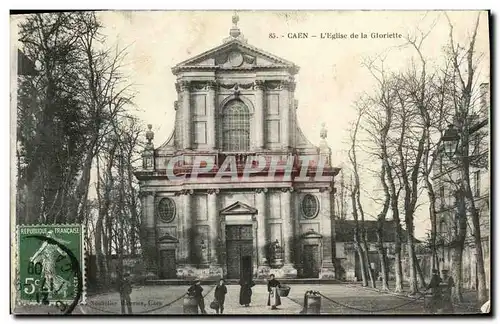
(51, 266)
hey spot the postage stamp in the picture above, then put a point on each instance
(51, 264)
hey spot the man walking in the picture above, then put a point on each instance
(196, 291)
(220, 296)
(125, 291)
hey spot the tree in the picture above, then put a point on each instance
(381, 117)
(464, 63)
(341, 199)
(359, 231)
(66, 110)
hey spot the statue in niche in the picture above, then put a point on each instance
(276, 255)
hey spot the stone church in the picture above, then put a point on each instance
(236, 101)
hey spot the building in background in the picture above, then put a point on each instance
(349, 267)
(446, 179)
(236, 103)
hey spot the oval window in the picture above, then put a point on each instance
(310, 206)
(166, 210)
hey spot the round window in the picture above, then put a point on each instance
(166, 210)
(310, 206)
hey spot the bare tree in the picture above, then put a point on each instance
(381, 118)
(358, 212)
(464, 62)
(341, 199)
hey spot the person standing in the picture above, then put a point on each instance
(196, 291)
(434, 285)
(220, 296)
(448, 284)
(274, 299)
(246, 285)
(125, 290)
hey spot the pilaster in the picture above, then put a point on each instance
(261, 225)
(211, 112)
(327, 266)
(148, 233)
(186, 114)
(288, 233)
(259, 114)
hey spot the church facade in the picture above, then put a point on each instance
(269, 210)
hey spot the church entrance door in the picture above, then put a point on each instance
(239, 251)
(167, 264)
(311, 261)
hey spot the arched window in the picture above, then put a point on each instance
(236, 127)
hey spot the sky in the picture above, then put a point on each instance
(331, 75)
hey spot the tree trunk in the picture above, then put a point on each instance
(81, 190)
(456, 270)
(433, 219)
(397, 258)
(99, 257)
(361, 263)
(382, 255)
(367, 262)
(411, 257)
(420, 274)
(482, 293)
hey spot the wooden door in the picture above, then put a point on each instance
(167, 265)
(233, 259)
(311, 261)
(239, 248)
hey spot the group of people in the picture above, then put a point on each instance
(246, 285)
(441, 288)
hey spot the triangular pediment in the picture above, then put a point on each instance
(234, 54)
(167, 238)
(238, 208)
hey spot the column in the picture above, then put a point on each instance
(261, 226)
(285, 114)
(186, 115)
(214, 225)
(211, 112)
(187, 227)
(327, 267)
(286, 203)
(259, 114)
(148, 227)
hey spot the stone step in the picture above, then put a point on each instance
(187, 282)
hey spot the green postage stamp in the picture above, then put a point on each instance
(51, 265)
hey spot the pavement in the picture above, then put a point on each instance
(346, 299)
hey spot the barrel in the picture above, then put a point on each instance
(190, 305)
(313, 303)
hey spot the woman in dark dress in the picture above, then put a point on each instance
(220, 296)
(246, 291)
(272, 287)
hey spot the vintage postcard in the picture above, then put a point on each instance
(250, 162)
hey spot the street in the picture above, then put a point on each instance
(346, 299)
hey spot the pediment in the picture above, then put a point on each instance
(167, 238)
(238, 208)
(311, 234)
(234, 55)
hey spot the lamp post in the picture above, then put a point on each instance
(450, 141)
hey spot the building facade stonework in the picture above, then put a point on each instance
(236, 107)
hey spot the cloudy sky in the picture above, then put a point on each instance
(331, 77)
